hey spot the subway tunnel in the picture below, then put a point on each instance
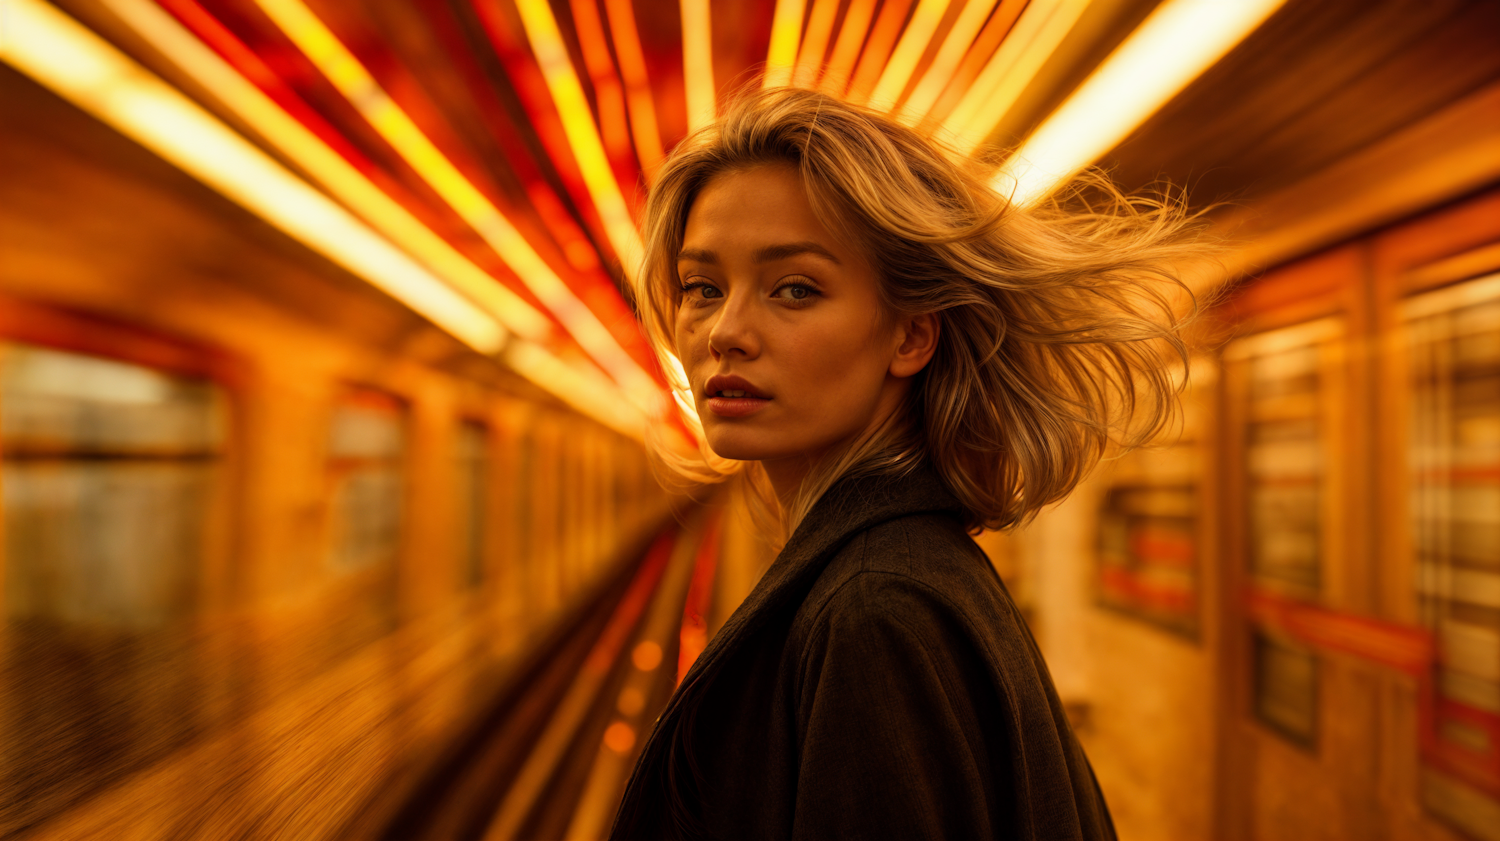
(325, 417)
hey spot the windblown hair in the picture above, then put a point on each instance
(1059, 323)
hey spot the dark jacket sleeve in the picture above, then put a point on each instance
(899, 719)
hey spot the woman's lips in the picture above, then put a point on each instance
(736, 407)
(733, 396)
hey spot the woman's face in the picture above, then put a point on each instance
(786, 343)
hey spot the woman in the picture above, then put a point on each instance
(897, 358)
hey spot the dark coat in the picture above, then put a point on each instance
(877, 683)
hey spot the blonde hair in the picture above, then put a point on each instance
(1057, 323)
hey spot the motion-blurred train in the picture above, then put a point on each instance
(296, 546)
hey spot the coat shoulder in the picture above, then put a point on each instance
(922, 572)
(928, 553)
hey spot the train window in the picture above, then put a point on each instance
(1454, 355)
(1148, 523)
(1286, 391)
(366, 442)
(471, 456)
(108, 477)
(1286, 688)
(1285, 444)
(107, 474)
(1148, 552)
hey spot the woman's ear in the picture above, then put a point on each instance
(917, 340)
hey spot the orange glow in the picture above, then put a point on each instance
(1036, 35)
(698, 63)
(61, 54)
(643, 125)
(940, 72)
(846, 50)
(815, 43)
(646, 656)
(631, 702)
(786, 33)
(909, 50)
(620, 737)
(1179, 41)
(877, 49)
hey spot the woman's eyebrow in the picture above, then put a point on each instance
(772, 253)
(698, 255)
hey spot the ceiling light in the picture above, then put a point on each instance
(72, 61)
(1180, 40)
(915, 40)
(786, 35)
(698, 63)
(346, 72)
(1033, 39)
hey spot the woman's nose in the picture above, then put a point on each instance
(734, 331)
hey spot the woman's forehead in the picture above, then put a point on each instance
(759, 209)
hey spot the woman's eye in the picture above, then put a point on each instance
(795, 292)
(698, 291)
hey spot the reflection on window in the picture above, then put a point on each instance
(366, 442)
(1454, 352)
(472, 467)
(107, 476)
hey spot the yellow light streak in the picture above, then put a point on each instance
(846, 49)
(324, 49)
(578, 125)
(1030, 43)
(698, 64)
(1179, 41)
(876, 49)
(582, 388)
(914, 42)
(957, 42)
(786, 33)
(638, 97)
(815, 43)
(64, 56)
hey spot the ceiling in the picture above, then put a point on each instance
(484, 85)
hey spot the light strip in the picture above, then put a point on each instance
(815, 43)
(698, 64)
(938, 74)
(340, 66)
(876, 49)
(915, 40)
(1179, 41)
(578, 124)
(786, 33)
(856, 26)
(609, 91)
(61, 54)
(327, 167)
(582, 388)
(638, 96)
(980, 52)
(1030, 43)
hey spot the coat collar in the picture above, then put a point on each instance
(851, 506)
